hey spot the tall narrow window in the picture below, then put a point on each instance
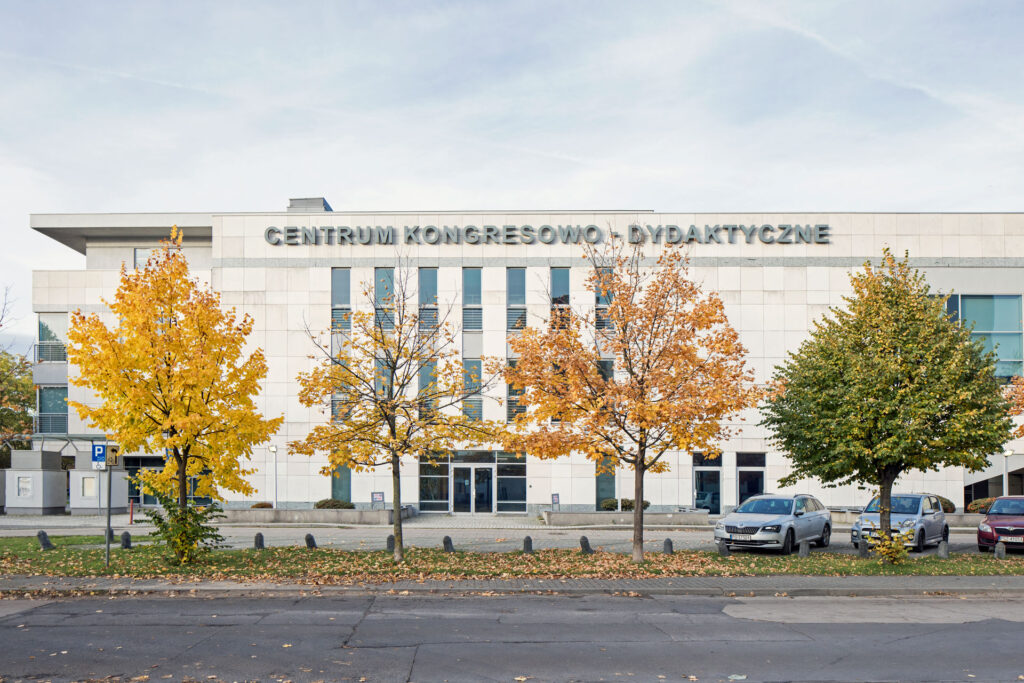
(473, 404)
(512, 406)
(53, 410)
(341, 299)
(383, 294)
(559, 286)
(53, 338)
(472, 298)
(428, 298)
(515, 292)
(140, 256)
(427, 393)
(602, 299)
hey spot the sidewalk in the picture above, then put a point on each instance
(785, 585)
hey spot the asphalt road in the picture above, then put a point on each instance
(538, 638)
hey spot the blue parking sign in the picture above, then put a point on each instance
(99, 456)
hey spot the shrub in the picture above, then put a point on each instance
(948, 506)
(261, 506)
(609, 504)
(892, 549)
(627, 504)
(187, 533)
(980, 505)
(333, 504)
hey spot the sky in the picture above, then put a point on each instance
(677, 106)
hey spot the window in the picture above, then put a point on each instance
(701, 460)
(383, 294)
(341, 299)
(472, 313)
(559, 287)
(428, 400)
(139, 257)
(382, 379)
(53, 410)
(606, 368)
(601, 300)
(801, 505)
(53, 338)
(516, 298)
(428, 298)
(512, 405)
(750, 460)
(997, 324)
(473, 404)
(511, 482)
(434, 486)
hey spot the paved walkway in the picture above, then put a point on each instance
(783, 585)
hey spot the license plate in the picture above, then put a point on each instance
(1012, 539)
(740, 537)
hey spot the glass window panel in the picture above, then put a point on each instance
(140, 255)
(511, 457)
(999, 313)
(606, 368)
(428, 286)
(341, 287)
(53, 327)
(511, 488)
(473, 408)
(428, 470)
(953, 307)
(1006, 346)
(751, 483)
(427, 375)
(601, 298)
(434, 488)
(471, 372)
(707, 491)
(53, 400)
(750, 460)
(516, 286)
(473, 456)
(433, 506)
(516, 318)
(1009, 368)
(341, 319)
(472, 319)
(511, 470)
(471, 287)
(383, 283)
(701, 460)
(511, 507)
(560, 286)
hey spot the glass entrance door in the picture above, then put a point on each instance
(708, 490)
(473, 488)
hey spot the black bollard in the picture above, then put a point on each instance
(667, 548)
(310, 541)
(391, 543)
(1000, 551)
(723, 549)
(863, 549)
(805, 549)
(126, 540)
(943, 550)
(528, 545)
(585, 546)
(446, 543)
(258, 543)
(44, 541)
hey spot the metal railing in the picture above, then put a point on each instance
(51, 352)
(51, 423)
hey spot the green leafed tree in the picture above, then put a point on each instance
(887, 384)
(17, 393)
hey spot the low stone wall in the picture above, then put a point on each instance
(261, 516)
(623, 518)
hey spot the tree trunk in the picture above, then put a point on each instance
(396, 485)
(885, 482)
(638, 514)
(182, 484)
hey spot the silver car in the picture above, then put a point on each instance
(918, 512)
(773, 521)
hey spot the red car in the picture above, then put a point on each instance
(1004, 522)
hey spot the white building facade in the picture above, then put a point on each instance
(302, 269)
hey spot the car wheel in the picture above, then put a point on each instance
(919, 542)
(826, 535)
(787, 545)
(945, 534)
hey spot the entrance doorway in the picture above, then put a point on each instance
(473, 488)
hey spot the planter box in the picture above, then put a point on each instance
(624, 518)
(257, 517)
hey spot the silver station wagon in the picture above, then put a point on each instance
(773, 521)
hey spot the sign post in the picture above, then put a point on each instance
(99, 462)
(555, 501)
(376, 497)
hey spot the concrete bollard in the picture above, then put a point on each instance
(310, 541)
(863, 549)
(528, 545)
(805, 549)
(1000, 551)
(446, 543)
(723, 549)
(585, 546)
(257, 542)
(943, 550)
(126, 540)
(44, 541)
(667, 547)
(390, 545)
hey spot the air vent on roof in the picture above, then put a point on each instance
(309, 205)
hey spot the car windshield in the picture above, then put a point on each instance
(1007, 507)
(766, 506)
(901, 505)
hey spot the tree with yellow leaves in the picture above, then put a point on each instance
(654, 368)
(397, 388)
(172, 378)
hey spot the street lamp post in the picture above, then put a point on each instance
(1006, 472)
(273, 449)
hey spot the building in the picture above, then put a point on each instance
(777, 274)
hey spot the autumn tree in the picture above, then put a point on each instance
(656, 368)
(394, 386)
(172, 378)
(1015, 397)
(17, 393)
(885, 385)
